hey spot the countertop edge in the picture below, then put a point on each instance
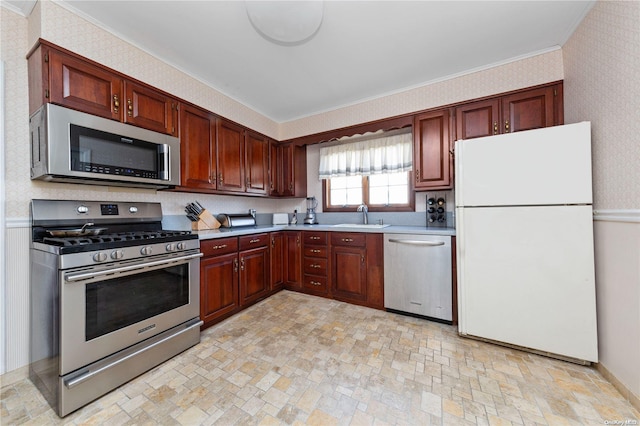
(393, 229)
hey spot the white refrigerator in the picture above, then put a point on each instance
(524, 232)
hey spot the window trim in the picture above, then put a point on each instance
(410, 207)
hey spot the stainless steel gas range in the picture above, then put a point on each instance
(112, 296)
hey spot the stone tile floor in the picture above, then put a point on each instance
(298, 359)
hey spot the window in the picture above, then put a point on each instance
(383, 192)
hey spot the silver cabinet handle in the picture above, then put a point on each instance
(417, 242)
(161, 263)
(84, 377)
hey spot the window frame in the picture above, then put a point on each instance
(409, 207)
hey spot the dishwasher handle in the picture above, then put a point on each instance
(417, 242)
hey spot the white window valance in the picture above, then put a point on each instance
(376, 154)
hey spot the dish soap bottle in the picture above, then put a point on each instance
(294, 218)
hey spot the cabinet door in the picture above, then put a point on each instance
(276, 185)
(257, 164)
(150, 109)
(218, 286)
(277, 254)
(532, 109)
(432, 159)
(478, 119)
(254, 274)
(85, 87)
(294, 170)
(230, 156)
(293, 260)
(197, 148)
(349, 273)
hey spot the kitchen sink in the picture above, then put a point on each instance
(360, 225)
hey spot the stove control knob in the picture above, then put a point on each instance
(182, 246)
(146, 250)
(82, 209)
(171, 247)
(117, 254)
(100, 257)
(133, 209)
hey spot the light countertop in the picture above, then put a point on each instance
(392, 229)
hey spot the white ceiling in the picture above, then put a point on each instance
(362, 50)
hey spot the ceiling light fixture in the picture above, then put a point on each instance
(286, 23)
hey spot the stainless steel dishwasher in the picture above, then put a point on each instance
(417, 275)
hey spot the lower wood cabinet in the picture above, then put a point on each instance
(357, 268)
(254, 268)
(293, 260)
(219, 273)
(315, 264)
(277, 255)
(236, 272)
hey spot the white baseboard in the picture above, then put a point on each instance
(630, 215)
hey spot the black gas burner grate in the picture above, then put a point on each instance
(111, 238)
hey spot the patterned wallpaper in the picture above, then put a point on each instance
(527, 72)
(51, 21)
(602, 85)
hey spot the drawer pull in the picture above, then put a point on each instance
(220, 247)
(314, 238)
(315, 251)
(315, 265)
(314, 283)
(257, 240)
(347, 240)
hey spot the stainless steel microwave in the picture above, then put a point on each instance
(72, 146)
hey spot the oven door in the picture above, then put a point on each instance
(108, 308)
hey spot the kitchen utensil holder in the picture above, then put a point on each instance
(205, 221)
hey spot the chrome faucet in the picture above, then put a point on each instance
(365, 210)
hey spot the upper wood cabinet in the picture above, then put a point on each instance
(150, 109)
(515, 112)
(230, 156)
(293, 170)
(431, 150)
(256, 163)
(197, 148)
(74, 82)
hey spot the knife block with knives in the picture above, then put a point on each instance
(200, 217)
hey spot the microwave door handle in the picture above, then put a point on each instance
(123, 269)
(164, 152)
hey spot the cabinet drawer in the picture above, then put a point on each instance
(219, 246)
(253, 241)
(315, 251)
(311, 237)
(352, 239)
(315, 266)
(315, 283)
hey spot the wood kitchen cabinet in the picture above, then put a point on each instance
(357, 268)
(219, 275)
(522, 110)
(293, 260)
(150, 109)
(433, 162)
(66, 79)
(290, 171)
(230, 149)
(315, 263)
(277, 255)
(254, 268)
(256, 163)
(197, 148)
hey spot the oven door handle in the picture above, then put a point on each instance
(71, 383)
(163, 262)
